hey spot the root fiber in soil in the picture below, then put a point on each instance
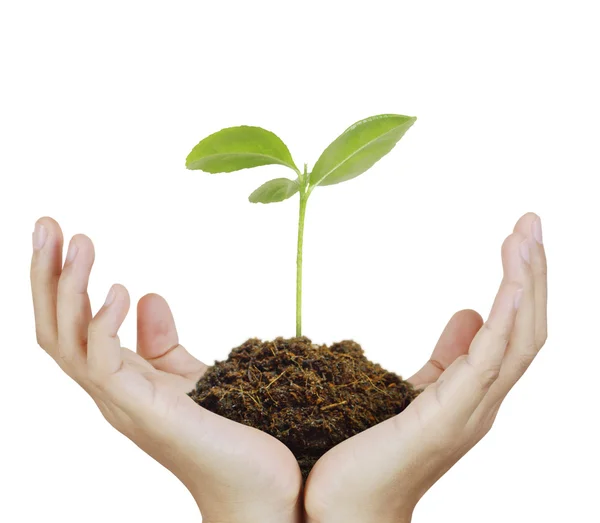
(310, 397)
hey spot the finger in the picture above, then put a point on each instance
(454, 342)
(463, 386)
(46, 267)
(104, 347)
(540, 280)
(522, 347)
(73, 307)
(158, 341)
(514, 263)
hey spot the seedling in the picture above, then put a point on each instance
(311, 397)
(352, 153)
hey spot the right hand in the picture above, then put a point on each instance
(380, 474)
(235, 473)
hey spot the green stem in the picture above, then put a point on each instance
(303, 199)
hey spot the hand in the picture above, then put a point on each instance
(380, 474)
(235, 473)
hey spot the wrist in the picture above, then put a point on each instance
(341, 515)
(250, 512)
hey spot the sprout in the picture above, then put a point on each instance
(357, 149)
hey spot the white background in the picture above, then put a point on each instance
(102, 101)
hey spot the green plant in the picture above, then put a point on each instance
(349, 155)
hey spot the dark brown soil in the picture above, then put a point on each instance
(311, 397)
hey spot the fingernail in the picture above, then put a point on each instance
(518, 296)
(110, 297)
(39, 236)
(537, 230)
(72, 252)
(524, 247)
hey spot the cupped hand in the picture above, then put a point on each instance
(234, 472)
(380, 474)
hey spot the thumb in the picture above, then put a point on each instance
(454, 342)
(158, 342)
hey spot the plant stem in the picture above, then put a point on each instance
(303, 199)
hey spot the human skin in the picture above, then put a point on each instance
(380, 474)
(235, 473)
(239, 474)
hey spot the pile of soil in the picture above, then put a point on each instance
(311, 397)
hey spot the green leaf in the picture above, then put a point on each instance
(238, 148)
(359, 147)
(275, 190)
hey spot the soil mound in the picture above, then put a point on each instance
(311, 397)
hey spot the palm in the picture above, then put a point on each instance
(160, 390)
(156, 381)
(354, 459)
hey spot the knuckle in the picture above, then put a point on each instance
(94, 330)
(523, 361)
(541, 337)
(43, 340)
(485, 374)
(488, 375)
(494, 333)
(65, 359)
(488, 328)
(68, 365)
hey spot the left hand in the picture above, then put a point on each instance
(380, 474)
(235, 473)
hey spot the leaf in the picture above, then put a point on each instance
(359, 147)
(236, 148)
(275, 190)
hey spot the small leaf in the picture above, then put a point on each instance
(275, 190)
(359, 147)
(236, 148)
